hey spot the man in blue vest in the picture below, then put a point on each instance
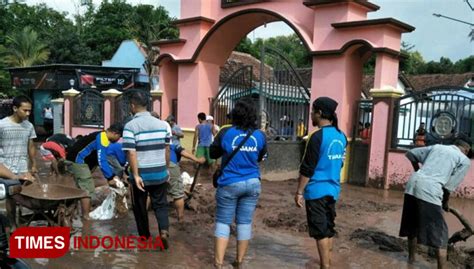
(320, 176)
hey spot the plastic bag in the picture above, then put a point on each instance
(187, 179)
(114, 205)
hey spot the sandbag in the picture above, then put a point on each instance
(114, 205)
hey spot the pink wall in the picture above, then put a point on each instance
(339, 78)
(378, 143)
(84, 130)
(169, 85)
(197, 83)
(386, 71)
(400, 169)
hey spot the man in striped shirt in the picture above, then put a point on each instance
(147, 142)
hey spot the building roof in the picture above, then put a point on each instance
(419, 83)
(411, 82)
(239, 59)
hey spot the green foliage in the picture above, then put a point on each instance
(88, 39)
(291, 46)
(24, 49)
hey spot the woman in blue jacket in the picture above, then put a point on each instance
(239, 184)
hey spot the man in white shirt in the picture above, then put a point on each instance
(427, 193)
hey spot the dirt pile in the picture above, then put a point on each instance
(371, 238)
(290, 220)
(365, 206)
(381, 240)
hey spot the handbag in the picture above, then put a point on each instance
(218, 172)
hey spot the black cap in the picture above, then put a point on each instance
(325, 104)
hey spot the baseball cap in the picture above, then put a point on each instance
(325, 104)
(209, 117)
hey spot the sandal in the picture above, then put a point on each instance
(218, 265)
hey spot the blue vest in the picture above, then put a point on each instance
(325, 180)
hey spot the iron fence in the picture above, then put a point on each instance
(284, 100)
(280, 96)
(363, 121)
(237, 86)
(122, 105)
(5, 107)
(440, 112)
(89, 109)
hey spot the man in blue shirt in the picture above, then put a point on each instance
(203, 134)
(320, 176)
(87, 153)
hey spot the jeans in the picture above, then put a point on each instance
(237, 200)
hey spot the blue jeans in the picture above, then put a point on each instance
(237, 200)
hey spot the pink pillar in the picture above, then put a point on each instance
(197, 83)
(109, 106)
(67, 114)
(338, 77)
(384, 94)
(168, 85)
(156, 103)
(69, 109)
(107, 112)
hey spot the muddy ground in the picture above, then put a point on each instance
(367, 224)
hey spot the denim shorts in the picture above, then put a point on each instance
(237, 200)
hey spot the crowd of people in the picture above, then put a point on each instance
(148, 150)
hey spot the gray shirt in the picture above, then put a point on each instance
(177, 130)
(14, 139)
(443, 167)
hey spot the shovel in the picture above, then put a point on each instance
(465, 233)
(191, 190)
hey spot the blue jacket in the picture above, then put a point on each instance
(92, 150)
(244, 164)
(322, 163)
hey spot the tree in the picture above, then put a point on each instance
(147, 25)
(464, 65)
(108, 27)
(291, 46)
(24, 49)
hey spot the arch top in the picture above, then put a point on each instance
(209, 32)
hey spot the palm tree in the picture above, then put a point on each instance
(24, 49)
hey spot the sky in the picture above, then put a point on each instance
(434, 37)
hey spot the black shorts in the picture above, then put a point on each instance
(424, 221)
(321, 214)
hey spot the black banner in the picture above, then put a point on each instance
(111, 79)
(33, 80)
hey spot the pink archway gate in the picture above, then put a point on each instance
(337, 33)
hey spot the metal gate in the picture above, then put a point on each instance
(122, 105)
(239, 85)
(89, 108)
(280, 95)
(443, 112)
(360, 143)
